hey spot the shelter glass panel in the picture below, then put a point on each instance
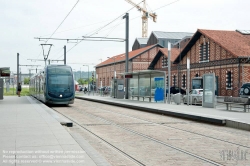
(144, 85)
(133, 86)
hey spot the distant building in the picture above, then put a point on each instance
(139, 43)
(177, 39)
(163, 38)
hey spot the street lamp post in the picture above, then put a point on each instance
(88, 76)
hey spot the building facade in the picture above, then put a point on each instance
(225, 53)
(138, 60)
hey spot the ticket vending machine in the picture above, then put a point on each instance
(1, 89)
(117, 88)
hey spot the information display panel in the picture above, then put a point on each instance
(208, 90)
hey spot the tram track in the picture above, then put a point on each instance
(137, 133)
(160, 124)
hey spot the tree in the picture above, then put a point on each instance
(80, 81)
(26, 80)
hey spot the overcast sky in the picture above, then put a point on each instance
(23, 20)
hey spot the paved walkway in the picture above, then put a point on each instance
(31, 134)
(235, 118)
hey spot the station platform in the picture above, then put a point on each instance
(31, 134)
(219, 115)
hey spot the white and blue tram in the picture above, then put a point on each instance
(54, 85)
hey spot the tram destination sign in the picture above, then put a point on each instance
(4, 72)
(129, 76)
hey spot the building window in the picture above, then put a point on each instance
(204, 52)
(229, 80)
(174, 80)
(196, 75)
(167, 81)
(164, 62)
(183, 81)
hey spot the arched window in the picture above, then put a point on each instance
(174, 80)
(183, 81)
(167, 81)
(164, 62)
(229, 80)
(204, 52)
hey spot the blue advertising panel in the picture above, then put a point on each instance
(159, 89)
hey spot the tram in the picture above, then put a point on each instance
(54, 85)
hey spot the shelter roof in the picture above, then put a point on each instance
(143, 72)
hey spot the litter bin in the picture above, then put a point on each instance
(177, 98)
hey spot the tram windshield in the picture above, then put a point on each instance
(60, 79)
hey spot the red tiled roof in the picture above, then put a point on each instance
(121, 57)
(174, 53)
(235, 42)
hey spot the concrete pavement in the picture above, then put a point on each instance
(31, 134)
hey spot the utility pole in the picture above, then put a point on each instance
(169, 71)
(126, 51)
(18, 65)
(17, 69)
(64, 55)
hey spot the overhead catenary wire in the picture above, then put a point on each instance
(139, 16)
(96, 31)
(61, 23)
(112, 29)
(78, 27)
(58, 51)
(63, 20)
(101, 28)
(166, 5)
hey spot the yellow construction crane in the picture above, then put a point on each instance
(144, 17)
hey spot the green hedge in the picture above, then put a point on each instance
(12, 92)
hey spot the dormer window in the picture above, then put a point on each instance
(164, 61)
(204, 52)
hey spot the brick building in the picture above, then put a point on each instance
(225, 53)
(138, 60)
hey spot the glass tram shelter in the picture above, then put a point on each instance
(146, 85)
(4, 72)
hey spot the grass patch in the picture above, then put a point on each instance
(12, 92)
